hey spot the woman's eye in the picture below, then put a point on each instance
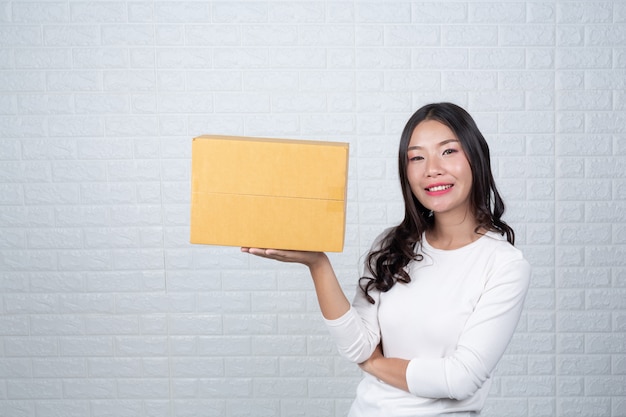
(415, 158)
(449, 151)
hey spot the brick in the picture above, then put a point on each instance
(410, 35)
(308, 407)
(63, 407)
(45, 104)
(30, 346)
(272, 81)
(382, 13)
(14, 326)
(170, 35)
(574, 145)
(473, 81)
(614, 386)
(21, 35)
(111, 325)
(603, 343)
(100, 58)
(315, 366)
(509, 407)
(567, 58)
(59, 368)
(497, 12)
(48, 58)
(143, 388)
(219, 388)
(107, 12)
(540, 100)
(383, 58)
(92, 388)
(76, 80)
(544, 407)
(584, 365)
(587, 100)
(298, 12)
(583, 12)
(589, 321)
(570, 386)
(251, 367)
(525, 343)
(605, 79)
(34, 388)
(25, 260)
(614, 299)
(541, 322)
(533, 386)
(53, 12)
(155, 303)
(541, 365)
(336, 387)
(606, 256)
(27, 126)
(605, 35)
(10, 150)
(71, 35)
(283, 387)
(265, 408)
(570, 35)
(576, 234)
(570, 343)
(571, 300)
(437, 58)
(515, 122)
(54, 282)
(605, 122)
(56, 325)
(541, 12)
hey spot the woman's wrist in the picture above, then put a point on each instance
(318, 262)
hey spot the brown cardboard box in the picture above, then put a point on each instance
(268, 193)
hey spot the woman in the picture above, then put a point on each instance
(442, 292)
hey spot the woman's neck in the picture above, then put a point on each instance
(450, 234)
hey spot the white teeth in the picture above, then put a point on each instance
(440, 188)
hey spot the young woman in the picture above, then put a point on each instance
(443, 290)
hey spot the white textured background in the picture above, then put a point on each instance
(108, 311)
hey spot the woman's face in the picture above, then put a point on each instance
(438, 170)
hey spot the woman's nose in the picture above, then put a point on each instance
(433, 167)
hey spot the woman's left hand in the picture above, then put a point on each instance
(389, 370)
(368, 365)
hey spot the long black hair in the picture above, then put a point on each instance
(388, 262)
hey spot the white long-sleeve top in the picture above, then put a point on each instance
(453, 322)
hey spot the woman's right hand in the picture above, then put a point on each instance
(310, 259)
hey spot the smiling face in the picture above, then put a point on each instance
(438, 170)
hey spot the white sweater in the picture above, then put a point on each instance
(453, 321)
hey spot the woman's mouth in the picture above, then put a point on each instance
(438, 188)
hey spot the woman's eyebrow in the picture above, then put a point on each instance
(442, 143)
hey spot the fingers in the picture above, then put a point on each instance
(267, 253)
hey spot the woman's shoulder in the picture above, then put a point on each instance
(500, 248)
(503, 255)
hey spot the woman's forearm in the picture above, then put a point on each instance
(389, 370)
(330, 296)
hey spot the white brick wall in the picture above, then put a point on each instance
(108, 311)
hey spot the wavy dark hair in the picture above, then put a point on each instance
(388, 262)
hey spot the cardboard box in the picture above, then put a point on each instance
(268, 193)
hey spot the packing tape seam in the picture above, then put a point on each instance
(268, 195)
